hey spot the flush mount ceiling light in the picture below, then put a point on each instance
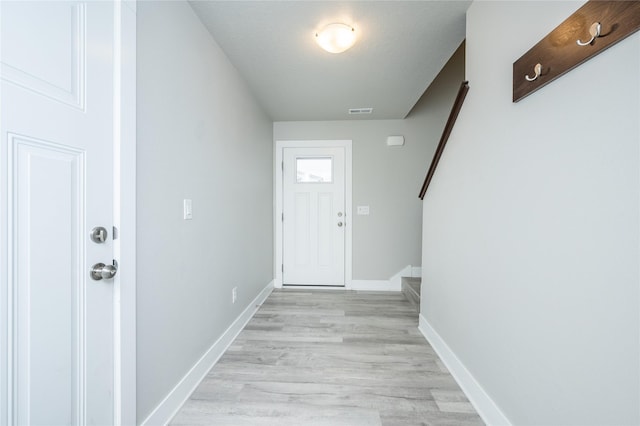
(336, 38)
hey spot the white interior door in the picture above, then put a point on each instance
(314, 218)
(57, 129)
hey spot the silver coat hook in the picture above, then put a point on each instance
(594, 31)
(537, 70)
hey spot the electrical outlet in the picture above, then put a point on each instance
(234, 295)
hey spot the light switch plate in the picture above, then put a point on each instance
(363, 210)
(188, 209)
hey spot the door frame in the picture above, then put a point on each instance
(278, 204)
(124, 167)
(124, 286)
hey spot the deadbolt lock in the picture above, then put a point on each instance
(99, 234)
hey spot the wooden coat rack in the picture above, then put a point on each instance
(596, 26)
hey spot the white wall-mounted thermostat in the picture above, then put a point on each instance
(395, 140)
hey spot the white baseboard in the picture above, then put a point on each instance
(170, 405)
(392, 284)
(484, 405)
(373, 285)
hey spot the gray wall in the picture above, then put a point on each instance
(388, 179)
(201, 135)
(530, 257)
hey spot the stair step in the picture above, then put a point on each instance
(411, 290)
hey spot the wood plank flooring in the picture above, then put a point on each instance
(330, 358)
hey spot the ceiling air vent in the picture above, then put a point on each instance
(360, 110)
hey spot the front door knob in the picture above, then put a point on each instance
(100, 271)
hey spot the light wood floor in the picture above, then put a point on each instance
(329, 358)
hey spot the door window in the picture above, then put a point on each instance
(314, 170)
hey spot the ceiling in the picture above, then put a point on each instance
(401, 47)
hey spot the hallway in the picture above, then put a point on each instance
(329, 358)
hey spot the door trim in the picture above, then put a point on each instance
(278, 200)
(124, 133)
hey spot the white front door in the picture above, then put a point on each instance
(314, 218)
(57, 134)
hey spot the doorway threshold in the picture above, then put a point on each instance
(314, 287)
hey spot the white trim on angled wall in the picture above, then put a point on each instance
(392, 284)
(484, 405)
(170, 405)
(396, 280)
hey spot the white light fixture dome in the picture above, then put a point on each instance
(336, 38)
